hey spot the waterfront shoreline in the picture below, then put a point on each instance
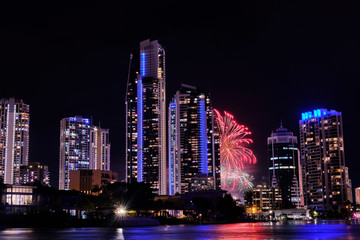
(56, 222)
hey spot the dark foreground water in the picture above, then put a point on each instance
(253, 231)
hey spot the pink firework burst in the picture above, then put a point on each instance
(234, 153)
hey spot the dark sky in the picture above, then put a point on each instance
(261, 60)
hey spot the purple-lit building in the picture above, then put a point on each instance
(194, 155)
(74, 148)
(146, 117)
(326, 184)
(82, 147)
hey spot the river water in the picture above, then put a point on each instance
(253, 231)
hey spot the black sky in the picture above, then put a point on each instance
(261, 60)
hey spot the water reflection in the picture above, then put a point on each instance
(251, 231)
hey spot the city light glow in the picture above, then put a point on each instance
(120, 211)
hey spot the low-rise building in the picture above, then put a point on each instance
(18, 199)
(357, 195)
(292, 214)
(34, 172)
(262, 199)
(86, 180)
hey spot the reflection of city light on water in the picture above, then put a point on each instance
(15, 231)
(119, 234)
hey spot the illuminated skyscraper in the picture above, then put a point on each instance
(193, 144)
(100, 148)
(82, 147)
(146, 128)
(14, 139)
(131, 118)
(74, 148)
(284, 169)
(323, 159)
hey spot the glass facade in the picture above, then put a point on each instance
(323, 159)
(146, 117)
(74, 148)
(131, 118)
(284, 171)
(14, 139)
(100, 148)
(192, 146)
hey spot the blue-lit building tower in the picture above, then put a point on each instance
(193, 143)
(74, 148)
(284, 167)
(326, 184)
(146, 129)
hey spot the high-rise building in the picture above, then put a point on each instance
(82, 147)
(100, 148)
(146, 148)
(193, 143)
(131, 118)
(323, 159)
(14, 139)
(74, 148)
(34, 172)
(284, 170)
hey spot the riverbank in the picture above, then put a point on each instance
(65, 221)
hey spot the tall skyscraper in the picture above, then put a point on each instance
(323, 159)
(100, 148)
(146, 148)
(284, 167)
(14, 139)
(131, 118)
(193, 144)
(82, 147)
(74, 148)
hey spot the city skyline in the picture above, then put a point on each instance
(247, 85)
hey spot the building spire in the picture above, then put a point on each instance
(281, 128)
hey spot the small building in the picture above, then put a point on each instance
(34, 172)
(292, 214)
(262, 199)
(357, 195)
(86, 180)
(18, 199)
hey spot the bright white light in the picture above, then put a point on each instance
(121, 211)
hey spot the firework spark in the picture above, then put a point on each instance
(234, 153)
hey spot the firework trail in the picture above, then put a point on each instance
(239, 180)
(233, 153)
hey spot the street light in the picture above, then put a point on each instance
(121, 211)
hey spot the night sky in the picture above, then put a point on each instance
(261, 60)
